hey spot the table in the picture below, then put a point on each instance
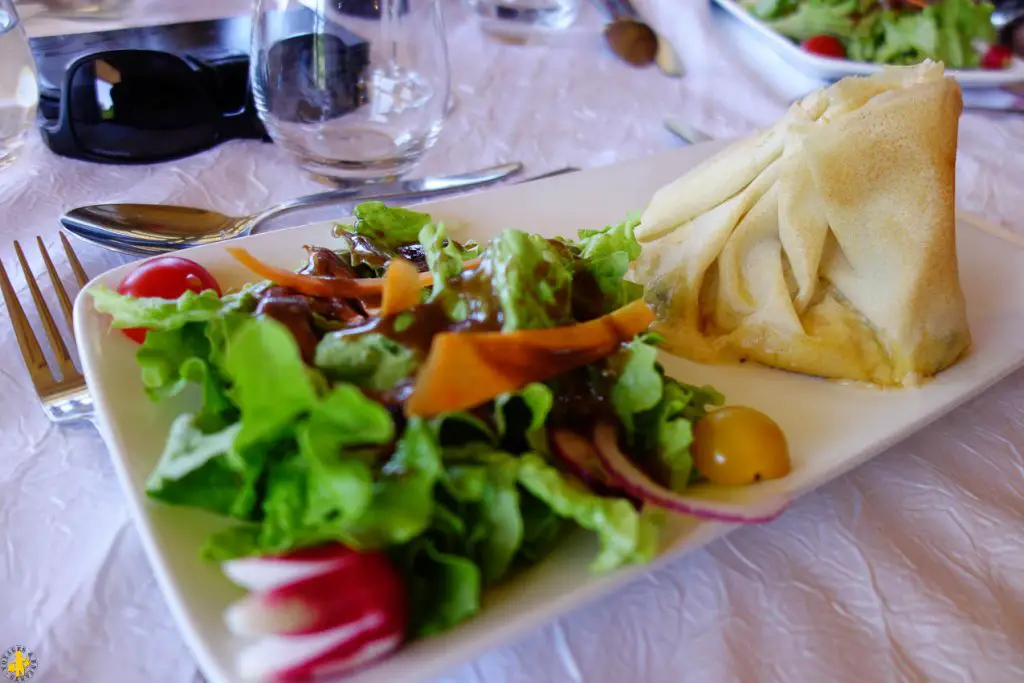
(910, 568)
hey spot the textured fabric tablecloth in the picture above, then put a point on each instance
(911, 568)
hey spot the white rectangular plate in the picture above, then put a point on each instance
(831, 427)
(828, 68)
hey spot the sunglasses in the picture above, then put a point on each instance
(144, 106)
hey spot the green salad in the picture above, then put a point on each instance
(301, 430)
(955, 32)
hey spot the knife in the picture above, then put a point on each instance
(686, 132)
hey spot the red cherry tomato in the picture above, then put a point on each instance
(826, 46)
(997, 57)
(166, 277)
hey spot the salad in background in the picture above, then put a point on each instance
(408, 420)
(958, 33)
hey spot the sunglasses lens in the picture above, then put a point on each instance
(140, 105)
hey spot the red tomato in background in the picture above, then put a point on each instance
(166, 277)
(826, 46)
(997, 57)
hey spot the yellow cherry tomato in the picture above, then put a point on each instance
(736, 445)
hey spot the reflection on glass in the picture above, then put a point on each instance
(361, 92)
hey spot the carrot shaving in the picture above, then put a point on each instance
(312, 285)
(466, 369)
(401, 287)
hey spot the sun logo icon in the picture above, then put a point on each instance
(18, 664)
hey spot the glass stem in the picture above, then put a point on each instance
(389, 31)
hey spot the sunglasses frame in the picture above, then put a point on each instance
(60, 137)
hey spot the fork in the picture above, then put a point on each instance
(64, 399)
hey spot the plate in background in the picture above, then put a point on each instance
(830, 69)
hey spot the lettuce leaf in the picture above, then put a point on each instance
(444, 588)
(658, 412)
(170, 360)
(168, 314)
(371, 361)
(341, 481)
(520, 417)
(491, 489)
(814, 17)
(197, 470)
(272, 387)
(444, 257)
(403, 495)
(624, 535)
(532, 280)
(389, 226)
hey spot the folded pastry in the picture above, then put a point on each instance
(824, 244)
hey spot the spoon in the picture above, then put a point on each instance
(149, 235)
(169, 228)
(635, 42)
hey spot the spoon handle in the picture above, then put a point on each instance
(411, 190)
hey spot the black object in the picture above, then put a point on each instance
(144, 106)
(54, 54)
(296, 69)
(214, 52)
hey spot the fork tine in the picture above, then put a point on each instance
(67, 368)
(76, 266)
(35, 361)
(58, 286)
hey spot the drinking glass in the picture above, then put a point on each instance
(81, 9)
(356, 89)
(19, 91)
(520, 18)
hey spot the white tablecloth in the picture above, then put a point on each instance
(911, 568)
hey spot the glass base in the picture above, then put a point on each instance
(522, 19)
(382, 171)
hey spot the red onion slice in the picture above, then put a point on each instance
(734, 504)
(578, 454)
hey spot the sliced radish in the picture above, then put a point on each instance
(317, 611)
(740, 504)
(343, 594)
(288, 659)
(578, 454)
(262, 573)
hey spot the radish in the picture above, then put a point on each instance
(328, 609)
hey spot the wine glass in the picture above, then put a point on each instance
(19, 93)
(353, 89)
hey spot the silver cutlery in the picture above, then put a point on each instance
(169, 228)
(60, 386)
(149, 229)
(686, 132)
(634, 41)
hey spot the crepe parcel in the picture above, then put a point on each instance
(823, 245)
